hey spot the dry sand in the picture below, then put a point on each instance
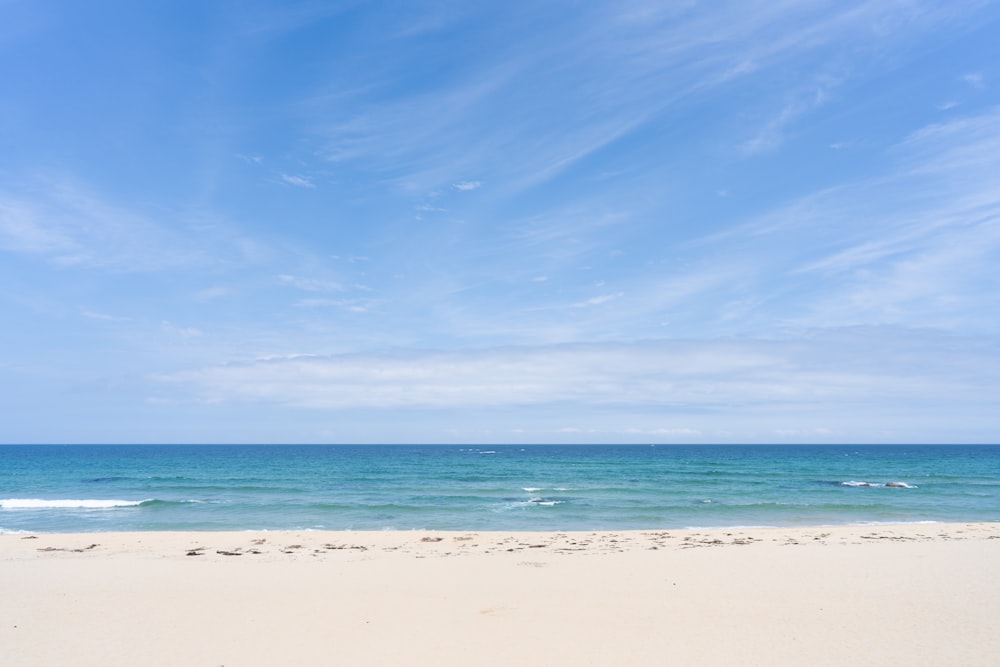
(924, 594)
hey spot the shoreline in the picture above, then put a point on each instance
(20, 532)
(488, 541)
(825, 595)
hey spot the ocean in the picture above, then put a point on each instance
(89, 488)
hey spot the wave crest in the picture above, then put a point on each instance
(894, 485)
(88, 503)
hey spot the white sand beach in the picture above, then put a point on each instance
(915, 594)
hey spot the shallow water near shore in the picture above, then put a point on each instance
(54, 488)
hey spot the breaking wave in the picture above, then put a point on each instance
(81, 504)
(882, 485)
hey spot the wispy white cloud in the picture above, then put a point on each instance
(180, 331)
(428, 208)
(351, 305)
(70, 225)
(914, 245)
(598, 300)
(211, 293)
(273, 21)
(891, 368)
(23, 229)
(931, 260)
(427, 139)
(310, 284)
(607, 72)
(974, 79)
(103, 316)
(663, 431)
(298, 181)
(800, 433)
(583, 183)
(771, 135)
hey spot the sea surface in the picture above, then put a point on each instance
(84, 488)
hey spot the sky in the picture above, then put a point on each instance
(500, 222)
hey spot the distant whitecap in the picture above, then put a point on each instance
(40, 503)
(893, 485)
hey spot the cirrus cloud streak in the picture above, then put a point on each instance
(897, 370)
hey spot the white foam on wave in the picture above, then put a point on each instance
(525, 504)
(546, 502)
(880, 485)
(43, 504)
(531, 489)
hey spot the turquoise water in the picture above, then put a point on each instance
(237, 487)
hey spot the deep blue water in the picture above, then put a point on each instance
(544, 487)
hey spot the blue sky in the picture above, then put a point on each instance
(500, 221)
